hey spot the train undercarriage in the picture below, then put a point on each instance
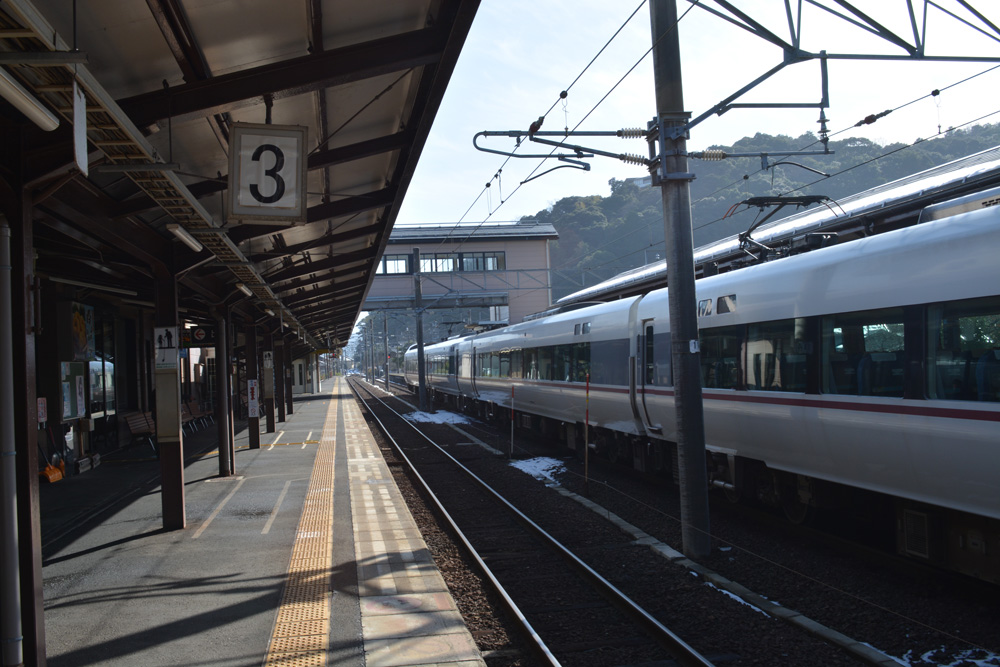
(937, 536)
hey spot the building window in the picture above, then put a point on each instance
(396, 264)
(483, 261)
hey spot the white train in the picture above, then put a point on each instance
(869, 366)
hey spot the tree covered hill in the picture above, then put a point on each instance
(600, 237)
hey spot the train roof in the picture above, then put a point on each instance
(882, 208)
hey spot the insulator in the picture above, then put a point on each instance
(633, 159)
(712, 155)
(631, 133)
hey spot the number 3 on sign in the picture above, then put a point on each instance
(267, 172)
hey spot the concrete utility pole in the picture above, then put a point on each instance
(675, 183)
(385, 347)
(418, 304)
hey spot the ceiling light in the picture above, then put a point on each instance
(103, 288)
(243, 288)
(269, 312)
(26, 103)
(185, 236)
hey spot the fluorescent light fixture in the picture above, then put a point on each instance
(128, 167)
(26, 103)
(103, 288)
(243, 288)
(185, 236)
(269, 312)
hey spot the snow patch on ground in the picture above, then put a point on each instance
(439, 417)
(541, 468)
(944, 658)
(737, 598)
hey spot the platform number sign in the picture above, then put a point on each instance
(267, 172)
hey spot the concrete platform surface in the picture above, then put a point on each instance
(307, 556)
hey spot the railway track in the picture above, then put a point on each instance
(573, 614)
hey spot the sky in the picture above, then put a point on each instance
(520, 54)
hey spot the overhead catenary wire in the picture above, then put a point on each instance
(866, 120)
(582, 120)
(561, 97)
(935, 93)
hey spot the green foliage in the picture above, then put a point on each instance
(599, 237)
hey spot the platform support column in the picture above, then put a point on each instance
(17, 204)
(11, 634)
(253, 420)
(279, 375)
(267, 380)
(226, 464)
(289, 369)
(167, 387)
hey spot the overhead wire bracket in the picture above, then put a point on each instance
(574, 159)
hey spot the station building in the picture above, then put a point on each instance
(502, 266)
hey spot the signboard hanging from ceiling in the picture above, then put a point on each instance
(267, 172)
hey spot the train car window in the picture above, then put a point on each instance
(721, 353)
(516, 364)
(563, 363)
(576, 329)
(649, 357)
(495, 365)
(609, 362)
(778, 356)
(656, 360)
(581, 362)
(964, 350)
(726, 304)
(531, 364)
(863, 353)
(504, 364)
(586, 328)
(704, 307)
(545, 363)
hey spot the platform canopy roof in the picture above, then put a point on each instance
(168, 86)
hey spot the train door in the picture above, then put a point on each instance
(472, 374)
(647, 372)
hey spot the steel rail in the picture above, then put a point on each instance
(512, 607)
(683, 652)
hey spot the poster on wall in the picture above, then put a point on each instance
(67, 401)
(73, 379)
(166, 347)
(80, 399)
(81, 332)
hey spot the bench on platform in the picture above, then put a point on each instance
(196, 411)
(142, 427)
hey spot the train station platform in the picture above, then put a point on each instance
(307, 556)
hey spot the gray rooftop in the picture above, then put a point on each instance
(486, 231)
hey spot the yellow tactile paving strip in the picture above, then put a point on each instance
(408, 617)
(302, 630)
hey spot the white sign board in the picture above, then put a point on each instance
(253, 400)
(267, 172)
(167, 344)
(268, 359)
